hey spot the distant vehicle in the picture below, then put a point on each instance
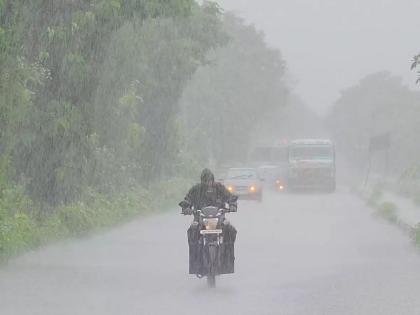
(245, 183)
(311, 164)
(272, 163)
(274, 177)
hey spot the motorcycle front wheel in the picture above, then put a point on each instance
(211, 281)
(211, 277)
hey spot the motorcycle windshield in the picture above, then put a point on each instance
(210, 211)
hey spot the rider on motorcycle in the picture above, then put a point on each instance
(207, 193)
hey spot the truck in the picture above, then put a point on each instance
(311, 164)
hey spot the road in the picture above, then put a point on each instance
(296, 254)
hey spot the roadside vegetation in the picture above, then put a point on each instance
(381, 104)
(416, 66)
(108, 108)
(384, 209)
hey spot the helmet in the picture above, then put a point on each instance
(207, 176)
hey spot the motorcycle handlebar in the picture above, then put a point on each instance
(197, 211)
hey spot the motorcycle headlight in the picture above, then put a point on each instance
(210, 224)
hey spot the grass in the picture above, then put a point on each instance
(388, 211)
(23, 228)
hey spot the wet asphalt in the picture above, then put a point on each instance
(302, 253)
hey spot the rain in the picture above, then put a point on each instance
(212, 157)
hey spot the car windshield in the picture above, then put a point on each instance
(243, 173)
(311, 152)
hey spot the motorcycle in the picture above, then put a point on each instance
(213, 256)
(211, 219)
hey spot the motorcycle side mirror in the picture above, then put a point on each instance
(184, 204)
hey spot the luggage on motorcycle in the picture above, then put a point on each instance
(195, 255)
(195, 261)
(227, 263)
(227, 258)
(226, 252)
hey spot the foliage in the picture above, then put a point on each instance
(417, 234)
(387, 210)
(146, 83)
(416, 65)
(228, 97)
(409, 183)
(17, 226)
(21, 227)
(380, 103)
(80, 111)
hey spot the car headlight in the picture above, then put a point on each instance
(253, 188)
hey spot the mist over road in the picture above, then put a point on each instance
(295, 254)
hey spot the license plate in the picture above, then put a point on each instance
(210, 232)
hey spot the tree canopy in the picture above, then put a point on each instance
(379, 104)
(227, 98)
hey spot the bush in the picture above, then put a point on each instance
(18, 230)
(417, 234)
(388, 211)
(22, 226)
(374, 197)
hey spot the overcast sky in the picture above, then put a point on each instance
(331, 44)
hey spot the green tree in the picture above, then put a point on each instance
(227, 98)
(379, 103)
(144, 75)
(57, 52)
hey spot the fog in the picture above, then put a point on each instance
(306, 112)
(330, 45)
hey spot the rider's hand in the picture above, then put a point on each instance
(187, 211)
(232, 208)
